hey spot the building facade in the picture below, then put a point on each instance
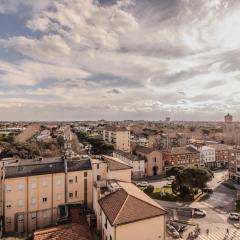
(207, 156)
(153, 160)
(119, 136)
(137, 163)
(33, 191)
(181, 156)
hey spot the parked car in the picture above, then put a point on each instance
(234, 216)
(172, 231)
(208, 190)
(142, 184)
(171, 178)
(199, 212)
(169, 184)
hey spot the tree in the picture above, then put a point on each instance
(60, 140)
(205, 131)
(149, 189)
(189, 178)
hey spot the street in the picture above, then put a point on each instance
(217, 207)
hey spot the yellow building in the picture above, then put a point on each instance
(119, 136)
(34, 190)
(122, 210)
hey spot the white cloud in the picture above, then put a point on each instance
(83, 50)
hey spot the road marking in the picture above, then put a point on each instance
(220, 235)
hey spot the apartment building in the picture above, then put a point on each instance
(234, 165)
(207, 156)
(122, 210)
(36, 191)
(119, 136)
(136, 162)
(222, 154)
(187, 155)
(153, 160)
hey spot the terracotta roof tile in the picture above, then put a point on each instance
(129, 204)
(73, 231)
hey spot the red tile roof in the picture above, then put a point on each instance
(129, 204)
(71, 231)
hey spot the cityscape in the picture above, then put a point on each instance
(120, 120)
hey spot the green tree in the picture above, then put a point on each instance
(60, 140)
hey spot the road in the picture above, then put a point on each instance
(217, 206)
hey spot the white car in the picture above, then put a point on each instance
(199, 212)
(234, 216)
(171, 178)
(142, 184)
(169, 184)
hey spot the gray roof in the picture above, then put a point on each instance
(41, 169)
(128, 155)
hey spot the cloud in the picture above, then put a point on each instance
(176, 56)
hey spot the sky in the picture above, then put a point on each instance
(119, 59)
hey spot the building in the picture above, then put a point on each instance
(37, 192)
(234, 165)
(128, 214)
(207, 156)
(153, 160)
(228, 118)
(137, 163)
(122, 210)
(119, 136)
(181, 156)
(222, 154)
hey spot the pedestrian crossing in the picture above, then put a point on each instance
(234, 234)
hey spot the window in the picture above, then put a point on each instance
(97, 166)
(44, 183)
(20, 186)
(85, 174)
(110, 237)
(34, 215)
(44, 199)
(105, 223)
(76, 193)
(75, 178)
(8, 205)
(33, 200)
(33, 185)
(70, 195)
(8, 188)
(98, 177)
(59, 196)
(8, 221)
(70, 180)
(20, 202)
(155, 159)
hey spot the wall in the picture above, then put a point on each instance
(122, 175)
(148, 229)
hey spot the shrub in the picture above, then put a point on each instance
(149, 189)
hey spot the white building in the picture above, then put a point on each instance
(137, 163)
(207, 156)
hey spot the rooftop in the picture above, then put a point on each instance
(184, 150)
(143, 149)
(127, 155)
(115, 163)
(129, 204)
(41, 168)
